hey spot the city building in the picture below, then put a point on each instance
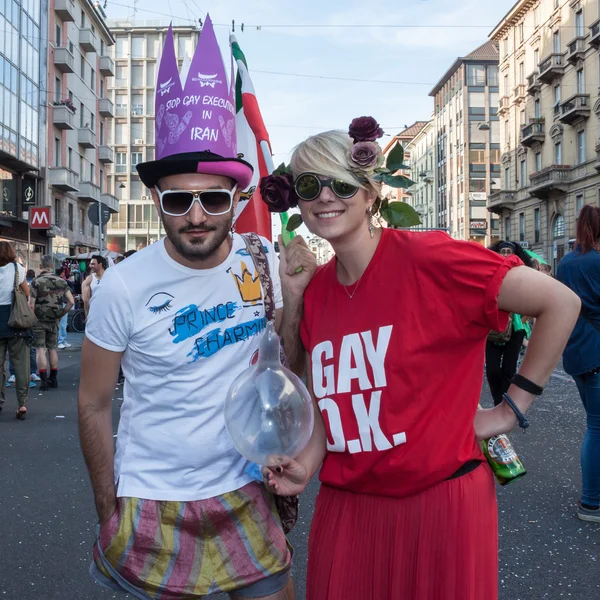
(321, 249)
(467, 144)
(79, 122)
(23, 56)
(549, 110)
(421, 150)
(136, 54)
(404, 138)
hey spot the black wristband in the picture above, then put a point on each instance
(527, 385)
(523, 422)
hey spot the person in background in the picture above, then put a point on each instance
(502, 357)
(98, 266)
(535, 264)
(580, 271)
(50, 299)
(62, 326)
(11, 339)
(546, 269)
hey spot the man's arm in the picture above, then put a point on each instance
(99, 372)
(297, 265)
(86, 294)
(70, 303)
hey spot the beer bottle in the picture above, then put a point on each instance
(503, 459)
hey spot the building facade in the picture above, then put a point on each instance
(23, 26)
(136, 54)
(421, 150)
(467, 144)
(549, 110)
(79, 118)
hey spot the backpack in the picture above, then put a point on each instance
(501, 337)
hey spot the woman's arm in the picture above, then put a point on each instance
(25, 287)
(555, 309)
(292, 478)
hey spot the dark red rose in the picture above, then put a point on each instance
(278, 192)
(365, 129)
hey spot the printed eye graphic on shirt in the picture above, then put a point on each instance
(244, 252)
(160, 303)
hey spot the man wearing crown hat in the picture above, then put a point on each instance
(179, 516)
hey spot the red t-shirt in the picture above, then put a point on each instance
(397, 370)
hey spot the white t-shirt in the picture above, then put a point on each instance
(186, 335)
(7, 282)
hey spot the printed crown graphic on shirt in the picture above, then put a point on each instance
(248, 285)
(195, 109)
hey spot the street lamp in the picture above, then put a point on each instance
(483, 126)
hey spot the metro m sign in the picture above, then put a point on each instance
(39, 217)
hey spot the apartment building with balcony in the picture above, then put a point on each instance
(467, 151)
(421, 150)
(23, 24)
(549, 134)
(79, 122)
(136, 55)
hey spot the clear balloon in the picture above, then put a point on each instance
(268, 410)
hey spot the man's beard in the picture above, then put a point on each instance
(202, 248)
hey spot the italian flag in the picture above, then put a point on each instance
(252, 214)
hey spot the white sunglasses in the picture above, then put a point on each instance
(178, 203)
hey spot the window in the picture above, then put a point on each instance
(536, 58)
(57, 152)
(70, 158)
(58, 40)
(537, 109)
(579, 23)
(93, 80)
(559, 227)
(137, 75)
(102, 134)
(492, 73)
(82, 67)
(70, 217)
(521, 227)
(521, 32)
(475, 75)
(580, 82)
(536, 16)
(57, 210)
(101, 88)
(507, 228)
(57, 90)
(82, 221)
(507, 178)
(121, 162)
(523, 181)
(122, 47)
(580, 147)
(137, 47)
(536, 225)
(506, 133)
(538, 161)
(556, 95)
(558, 153)
(523, 117)
(82, 19)
(477, 153)
(556, 42)
(136, 158)
(521, 72)
(578, 204)
(506, 90)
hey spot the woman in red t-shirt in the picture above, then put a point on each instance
(395, 328)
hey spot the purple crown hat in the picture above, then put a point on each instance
(195, 120)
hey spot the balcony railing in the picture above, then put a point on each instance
(576, 50)
(503, 104)
(121, 111)
(501, 200)
(595, 34)
(533, 84)
(64, 61)
(63, 179)
(552, 66)
(65, 9)
(88, 40)
(63, 117)
(107, 66)
(553, 178)
(111, 201)
(520, 92)
(106, 154)
(86, 137)
(105, 107)
(88, 192)
(532, 134)
(575, 108)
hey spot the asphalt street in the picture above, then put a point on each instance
(47, 518)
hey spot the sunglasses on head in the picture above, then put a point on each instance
(178, 203)
(308, 186)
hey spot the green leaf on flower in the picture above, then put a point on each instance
(400, 214)
(396, 181)
(294, 222)
(395, 159)
(282, 169)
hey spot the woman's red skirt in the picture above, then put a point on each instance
(441, 544)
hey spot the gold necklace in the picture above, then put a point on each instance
(351, 295)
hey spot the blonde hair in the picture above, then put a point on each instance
(327, 154)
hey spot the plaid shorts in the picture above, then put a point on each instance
(45, 335)
(171, 550)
